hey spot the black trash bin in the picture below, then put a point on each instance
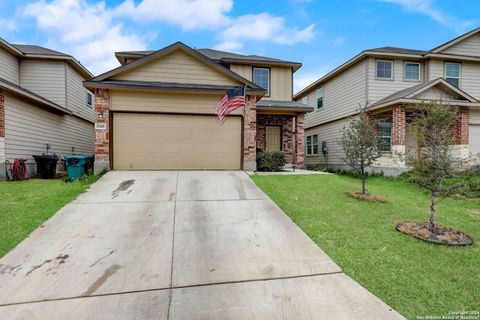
(46, 166)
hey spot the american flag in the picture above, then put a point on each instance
(233, 99)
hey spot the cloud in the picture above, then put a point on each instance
(340, 41)
(308, 75)
(7, 25)
(188, 14)
(261, 27)
(427, 8)
(84, 30)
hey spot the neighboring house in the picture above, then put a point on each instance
(156, 111)
(389, 80)
(42, 101)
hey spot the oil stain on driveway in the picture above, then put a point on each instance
(177, 245)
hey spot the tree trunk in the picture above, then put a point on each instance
(433, 208)
(363, 180)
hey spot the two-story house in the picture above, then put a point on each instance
(390, 81)
(42, 102)
(157, 110)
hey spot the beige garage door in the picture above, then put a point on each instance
(162, 142)
(474, 137)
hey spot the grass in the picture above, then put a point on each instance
(25, 205)
(414, 277)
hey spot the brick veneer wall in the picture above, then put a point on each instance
(300, 139)
(286, 122)
(249, 134)
(460, 126)
(102, 137)
(398, 125)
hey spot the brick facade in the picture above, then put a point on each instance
(460, 126)
(102, 135)
(249, 135)
(398, 125)
(300, 138)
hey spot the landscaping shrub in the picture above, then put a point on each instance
(270, 161)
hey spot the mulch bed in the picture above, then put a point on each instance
(366, 197)
(442, 235)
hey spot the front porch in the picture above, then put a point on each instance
(275, 126)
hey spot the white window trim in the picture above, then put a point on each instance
(317, 97)
(388, 137)
(405, 71)
(459, 72)
(267, 93)
(376, 66)
(306, 145)
(92, 95)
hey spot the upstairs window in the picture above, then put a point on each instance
(312, 145)
(385, 135)
(384, 69)
(320, 98)
(452, 73)
(261, 77)
(412, 71)
(89, 99)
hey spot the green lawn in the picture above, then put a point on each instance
(25, 205)
(414, 277)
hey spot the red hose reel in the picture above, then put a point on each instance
(18, 169)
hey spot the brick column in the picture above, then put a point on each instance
(398, 125)
(249, 135)
(2, 135)
(300, 140)
(102, 130)
(461, 126)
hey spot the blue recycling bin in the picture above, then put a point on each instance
(78, 165)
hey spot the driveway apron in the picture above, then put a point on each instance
(177, 245)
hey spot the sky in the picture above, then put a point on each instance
(320, 34)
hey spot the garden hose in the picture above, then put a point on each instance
(18, 170)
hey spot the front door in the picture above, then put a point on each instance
(273, 139)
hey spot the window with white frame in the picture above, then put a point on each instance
(261, 77)
(452, 73)
(320, 98)
(312, 145)
(385, 135)
(89, 99)
(411, 71)
(384, 69)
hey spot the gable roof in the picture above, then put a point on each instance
(33, 51)
(403, 96)
(452, 42)
(219, 57)
(398, 50)
(92, 83)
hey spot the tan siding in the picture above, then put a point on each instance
(242, 70)
(342, 95)
(470, 82)
(9, 67)
(129, 100)
(177, 67)
(280, 84)
(436, 69)
(434, 94)
(475, 140)
(379, 89)
(30, 128)
(330, 133)
(467, 47)
(474, 116)
(46, 78)
(77, 95)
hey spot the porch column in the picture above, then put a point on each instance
(102, 130)
(249, 135)
(2, 135)
(398, 134)
(461, 133)
(300, 140)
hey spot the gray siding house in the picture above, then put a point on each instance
(42, 101)
(389, 81)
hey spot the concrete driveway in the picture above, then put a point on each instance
(177, 245)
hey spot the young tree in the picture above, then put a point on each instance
(433, 163)
(361, 144)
